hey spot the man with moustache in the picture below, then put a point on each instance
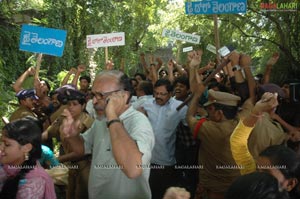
(120, 143)
(164, 119)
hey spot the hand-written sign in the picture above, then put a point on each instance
(216, 7)
(211, 48)
(42, 40)
(187, 49)
(104, 40)
(176, 35)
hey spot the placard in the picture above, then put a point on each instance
(42, 40)
(216, 7)
(187, 49)
(176, 35)
(105, 40)
(211, 48)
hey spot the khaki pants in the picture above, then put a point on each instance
(78, 180)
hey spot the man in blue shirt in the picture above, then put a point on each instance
(164, 118)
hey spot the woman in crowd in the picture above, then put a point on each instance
(21, 175)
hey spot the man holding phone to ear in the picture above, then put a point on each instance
(120, 144)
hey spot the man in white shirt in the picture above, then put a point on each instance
(120, 144)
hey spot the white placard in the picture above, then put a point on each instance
(224, 51)
(211, 48)
(176, 35)
(187, 49)
(105, 40)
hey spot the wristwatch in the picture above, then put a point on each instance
(236, 67)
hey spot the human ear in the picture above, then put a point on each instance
(26, 148)
(83, 107)
(220, 115)
(127, 97)
(291, 184)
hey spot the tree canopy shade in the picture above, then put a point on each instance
(258, 33)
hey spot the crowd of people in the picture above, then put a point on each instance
(172, 131)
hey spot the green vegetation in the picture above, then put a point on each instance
(256, 33)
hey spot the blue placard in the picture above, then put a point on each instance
(216, 7)
(43, 40)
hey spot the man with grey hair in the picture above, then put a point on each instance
(120, 144)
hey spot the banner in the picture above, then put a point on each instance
(105, 40)
(42, 40)
(176, 35)
(216, 7)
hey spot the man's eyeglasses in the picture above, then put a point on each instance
(161, 94)
(103, 95)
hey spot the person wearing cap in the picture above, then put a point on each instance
(59, 98)
(79, 166)
(27, 99)
(268, 131)
(218, 166)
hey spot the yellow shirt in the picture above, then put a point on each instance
(239, 148)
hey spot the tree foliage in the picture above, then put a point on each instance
(257, 33)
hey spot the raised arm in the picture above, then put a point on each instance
(68, 75)
(17, 86)
(80, 68)
(180, 69)
(144, 64)
(197, 88)
(245, 62)
(170, 70)
(235, 63)
(240, 135)
(70, 130)
(272, 61)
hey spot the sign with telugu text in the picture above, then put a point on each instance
(176, 35)
(216, 7)
(187, 49)
(211, 48)
(42, 40)
(105, 40)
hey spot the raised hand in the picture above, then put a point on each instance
(81, 68)
(273, 60)
(72, 71)
(117, 103)
(195, 58)
(109, 65)
(267, 103)
(69, 126)
(170, 65)
(31, 70)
